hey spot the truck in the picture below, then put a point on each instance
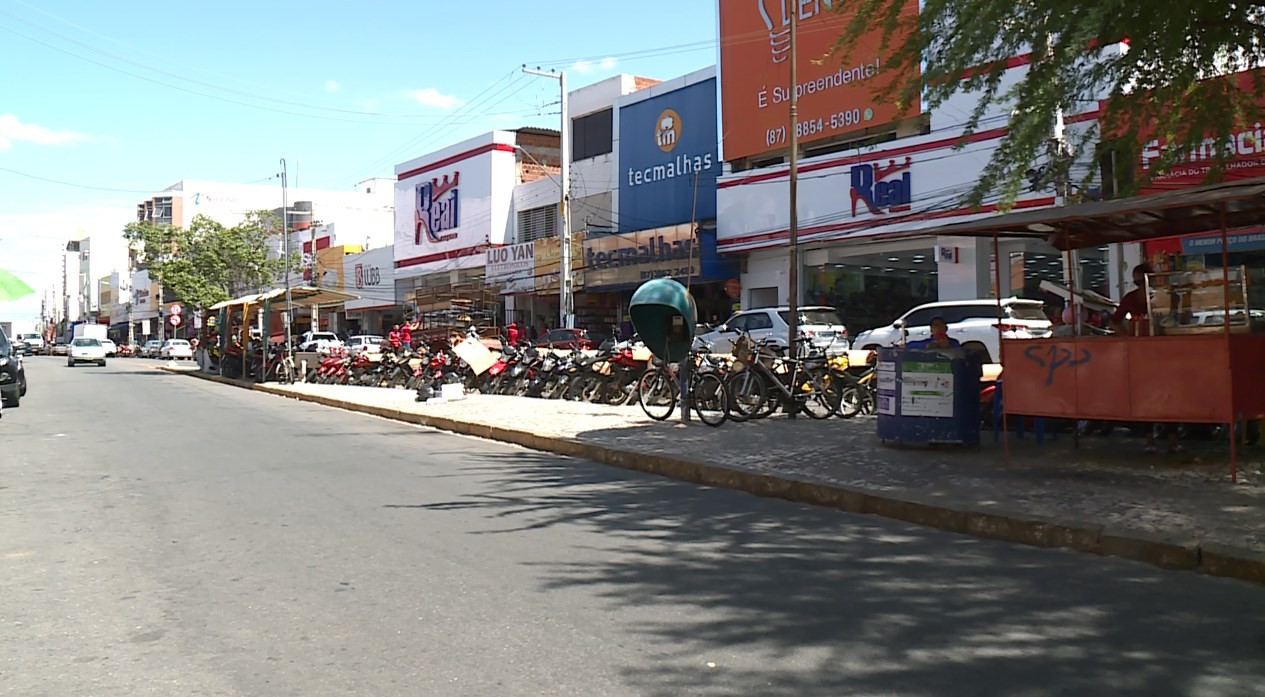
(91, 331)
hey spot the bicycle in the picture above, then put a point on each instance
(756, 386)
(658, 389)
(858, 394)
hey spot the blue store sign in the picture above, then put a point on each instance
(1211, 244)
(668, 158)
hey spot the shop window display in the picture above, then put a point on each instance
(874, 293)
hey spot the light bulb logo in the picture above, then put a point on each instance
(778, 21)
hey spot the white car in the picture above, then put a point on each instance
(319, 341)
(111, 349)
(366, 343)
(176, 348)
(973, 323)
(85, 350)
(35, 341)
(819, 323)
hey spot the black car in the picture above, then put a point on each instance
(21, 348)
(12, 373)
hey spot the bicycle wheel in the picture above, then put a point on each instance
(657, 394)
(745, 395)
(851, 401)
(710, 399)
(819, 394)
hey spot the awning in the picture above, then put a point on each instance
(299, 295)
(1169, 214)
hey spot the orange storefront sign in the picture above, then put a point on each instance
(836, 94)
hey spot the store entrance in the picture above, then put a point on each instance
(871, 290)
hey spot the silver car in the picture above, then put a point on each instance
(85, 350)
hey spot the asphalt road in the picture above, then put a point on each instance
(162, 535)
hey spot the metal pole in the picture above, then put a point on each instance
(565, 288)
(285, 246)
(566, 293)
(792, 302)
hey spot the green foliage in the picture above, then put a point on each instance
(1160, 86)
(206, 262)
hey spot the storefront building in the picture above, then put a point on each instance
(452, 206)
(868, 170)
(369, 276)
(668, 162)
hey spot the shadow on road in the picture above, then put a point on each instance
(841, 604)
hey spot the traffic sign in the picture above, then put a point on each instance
(174, 320)
(176, 309)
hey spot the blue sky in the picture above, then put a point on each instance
(113, 101)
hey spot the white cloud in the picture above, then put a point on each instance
(332, 86)
(585, 67)
(12, 130)
(434, 99)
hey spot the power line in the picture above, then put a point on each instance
(74, 185)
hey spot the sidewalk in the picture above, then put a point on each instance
(1105, 497)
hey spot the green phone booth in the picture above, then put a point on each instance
(664, 315)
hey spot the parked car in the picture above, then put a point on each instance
(12, 374)
(176, 348)
(35, 341)
(319, 341)
(819, 323)
(111, 349)
(86, 350)
(973, 323)
(151, 348)
(581, 339)
(61, 348)
(364, 343)
(21, 348)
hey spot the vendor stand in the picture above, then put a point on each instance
(236, 315)
(1186, 366)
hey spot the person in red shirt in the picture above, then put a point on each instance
(1133, 306)
(512, 333)
(393, 338)
(406, 336)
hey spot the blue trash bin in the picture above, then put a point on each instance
(927, 397)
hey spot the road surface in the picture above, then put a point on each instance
(163, 535)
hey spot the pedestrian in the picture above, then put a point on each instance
(393, 338)
(1133, 308)
(406, 336)
(512, 333)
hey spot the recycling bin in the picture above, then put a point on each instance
(928, 396)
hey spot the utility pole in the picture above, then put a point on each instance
(285, 247)
(566, 291)
(792, 301)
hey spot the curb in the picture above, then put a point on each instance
(1166, 552)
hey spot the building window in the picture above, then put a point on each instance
(537, 223)
(592, 135)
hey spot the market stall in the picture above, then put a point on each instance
(1200, 357)
(251, 316)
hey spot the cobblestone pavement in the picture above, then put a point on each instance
(1106, 481)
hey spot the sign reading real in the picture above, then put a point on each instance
(668, 158)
